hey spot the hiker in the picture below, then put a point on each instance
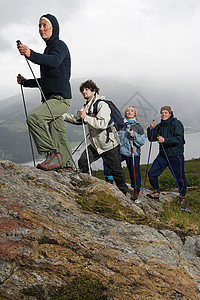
(103, 144)
(131, 130)
(55, 69)
(169, 133)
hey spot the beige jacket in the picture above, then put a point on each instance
(97, 125)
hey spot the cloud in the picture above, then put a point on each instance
(18, 11)
(149, 42)
(24, 15)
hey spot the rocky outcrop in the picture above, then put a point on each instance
(47, 241)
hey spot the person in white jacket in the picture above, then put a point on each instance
(104, 145)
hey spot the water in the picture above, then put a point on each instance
(192, 150)
(191, 147)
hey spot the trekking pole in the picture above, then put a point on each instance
(79, 145)
(172, 171)
(86, 148)
(148, 158)
(25, 110)
(45, 100)
(134, 168)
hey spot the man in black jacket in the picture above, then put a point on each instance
(55, 69)
(170, 135)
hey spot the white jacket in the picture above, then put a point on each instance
(97, 125)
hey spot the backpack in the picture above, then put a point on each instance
(115, 116)
(173, 128)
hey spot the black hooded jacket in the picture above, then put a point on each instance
(55, 65)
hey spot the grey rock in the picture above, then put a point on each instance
(47, 240)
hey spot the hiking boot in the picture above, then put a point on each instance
(52, 162)
(154, 195)
(185, 208)
(181, 201)
(133, 195)
(68, 169)
(44, 162)
(109, 180)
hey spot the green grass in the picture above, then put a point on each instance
(166, 180)
(101, 203)
(109, 206)
(172, 217)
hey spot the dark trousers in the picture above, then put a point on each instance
(136, 176)
(112, 159)
(106, 170)
(129, 162)
(161, 163)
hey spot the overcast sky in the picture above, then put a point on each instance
(153, 40)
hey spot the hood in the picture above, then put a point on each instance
(54, 22)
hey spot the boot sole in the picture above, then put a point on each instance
(186, 210)
(44, 169)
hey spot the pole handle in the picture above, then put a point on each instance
(18, 42)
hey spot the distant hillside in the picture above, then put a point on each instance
(14, 140)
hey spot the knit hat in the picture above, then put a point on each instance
(166, 107)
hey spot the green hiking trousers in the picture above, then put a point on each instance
(44, 130)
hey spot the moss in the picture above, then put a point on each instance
(28, 292)
(73, 183)
(172, 218)
(83, 183)
(110, 207)
(47, 240)
(82, 288)
(101, 203)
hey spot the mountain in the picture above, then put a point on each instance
(14, 138)
(52, 246)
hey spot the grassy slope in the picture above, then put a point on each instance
(172, 217)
